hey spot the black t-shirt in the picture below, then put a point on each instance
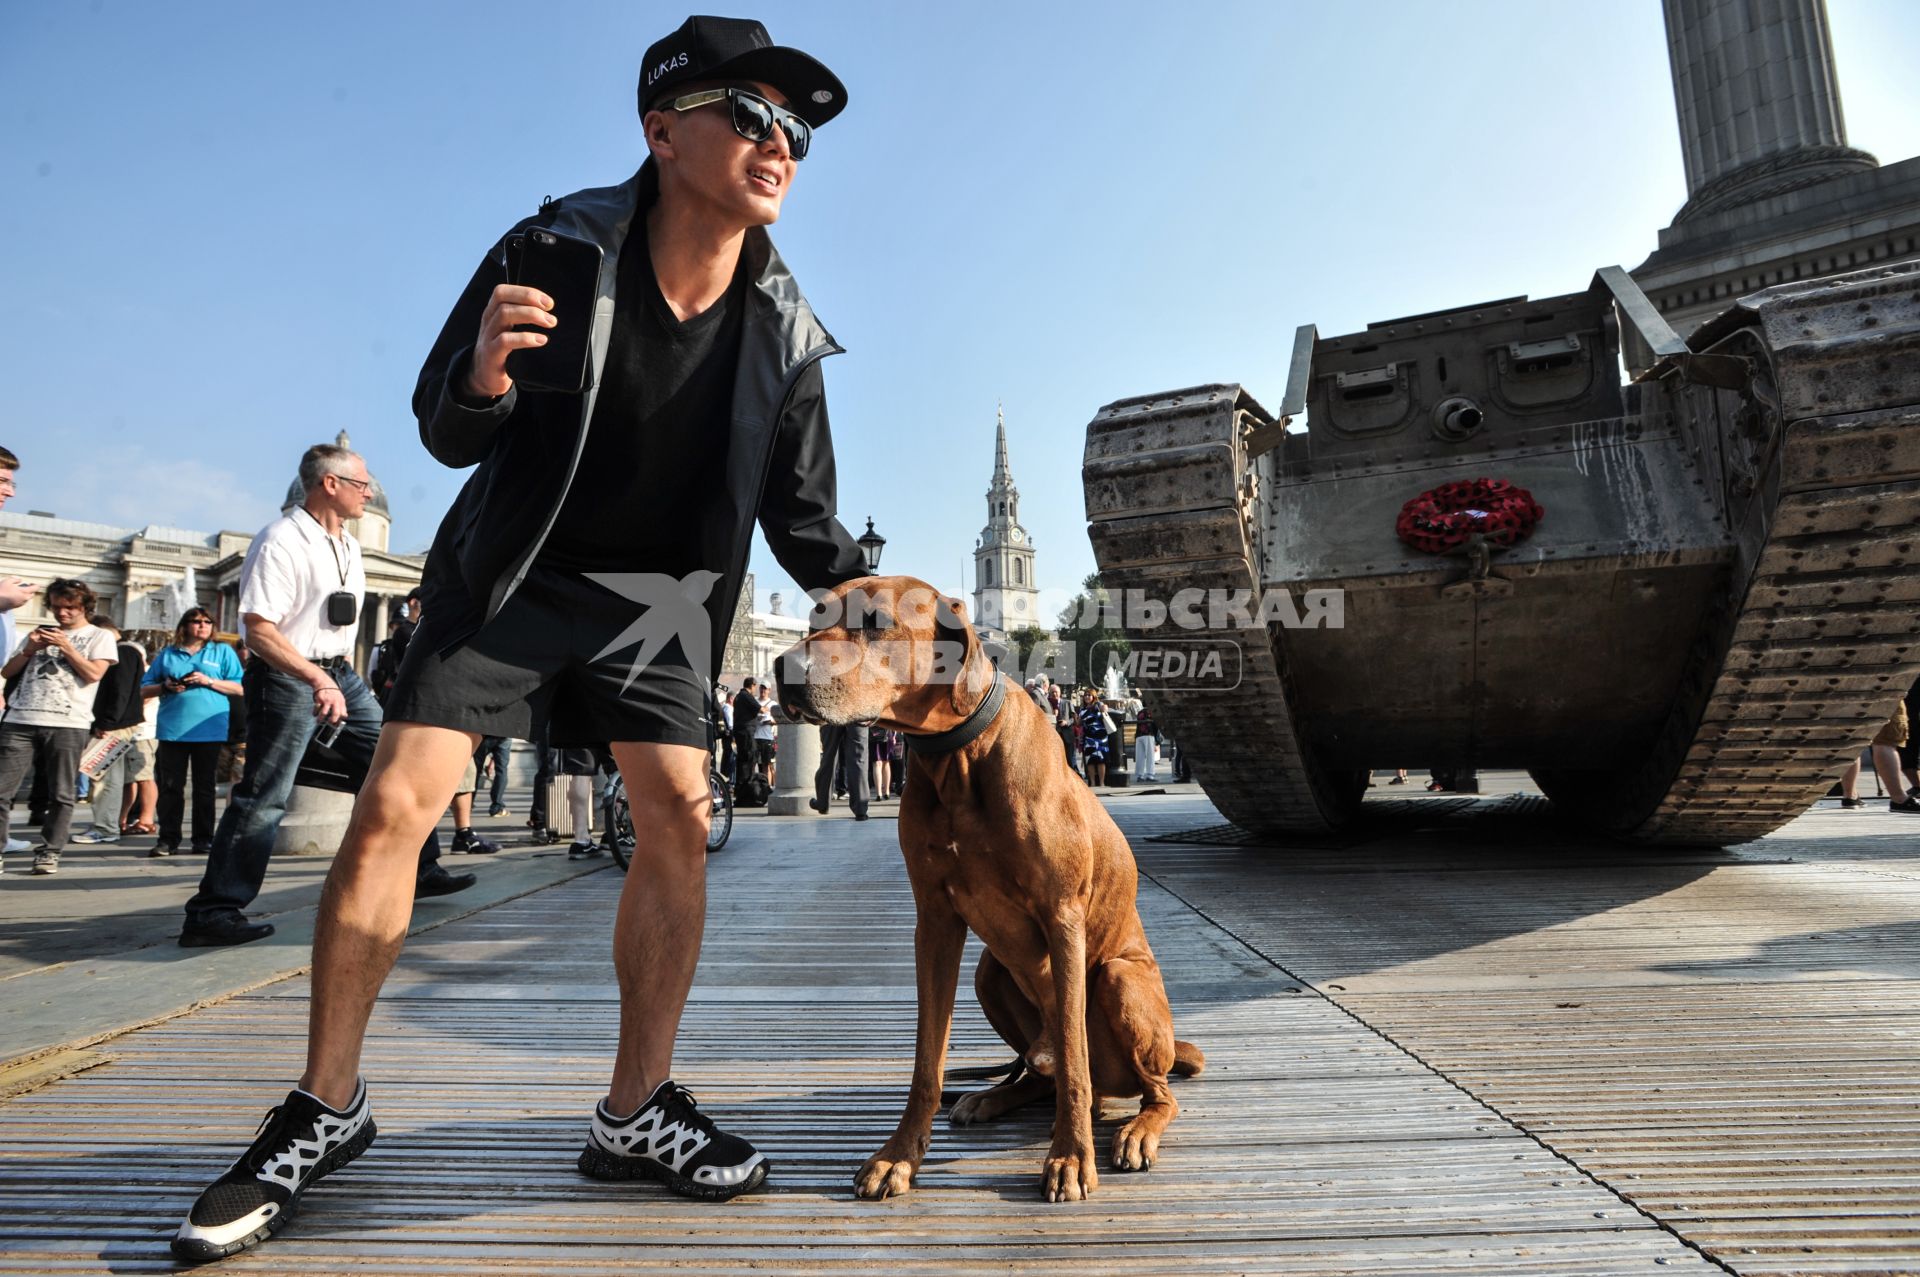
(657, 446)
(117, 703)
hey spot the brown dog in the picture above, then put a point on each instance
(999, 835)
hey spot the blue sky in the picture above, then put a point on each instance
(233, 229)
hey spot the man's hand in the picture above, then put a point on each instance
(510, 304)
(194, 679)
(44, 636)
(271, 646)
(14, 592)
(329, 704)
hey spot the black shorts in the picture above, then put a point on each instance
(535, 662)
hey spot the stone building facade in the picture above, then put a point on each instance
(757, 638)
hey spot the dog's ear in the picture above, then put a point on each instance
(974, 669)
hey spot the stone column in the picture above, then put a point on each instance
(315, 823)
(794, 765)
(1754, 84)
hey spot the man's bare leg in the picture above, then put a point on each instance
(462, 811)
(663, 912)
(369, 894)
(1886, 762)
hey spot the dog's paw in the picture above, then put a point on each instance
(883, 1176)
(966, 1109)
(1134, 1148)
(1069, 1177)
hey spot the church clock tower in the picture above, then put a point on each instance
(1005, 595)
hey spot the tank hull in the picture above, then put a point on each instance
(1719, 607)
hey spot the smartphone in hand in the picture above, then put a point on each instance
(567, 269)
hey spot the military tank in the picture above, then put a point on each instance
(1690, 598)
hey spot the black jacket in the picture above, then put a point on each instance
(117, 702)
(746, 712)
(527, 444)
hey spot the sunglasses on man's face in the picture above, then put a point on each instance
(754, 117)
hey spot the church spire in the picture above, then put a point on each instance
(1005, 595)
(1002, 472)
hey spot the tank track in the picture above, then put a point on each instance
(1820, 636)
(1171, 503)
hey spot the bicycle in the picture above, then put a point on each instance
(619, 817)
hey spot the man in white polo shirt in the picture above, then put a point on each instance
(300, 592)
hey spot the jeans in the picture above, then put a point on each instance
(500, 750)
(546, 765)
(175, 759)
(280, 725)
(53, 752)
(111, 788)
(843, 750)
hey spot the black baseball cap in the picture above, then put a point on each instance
(707, 48)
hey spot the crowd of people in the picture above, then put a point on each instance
(1093, 731)
(146, 740)
(865, 763)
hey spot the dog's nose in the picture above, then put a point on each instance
(790, 680)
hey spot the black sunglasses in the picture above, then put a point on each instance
(754, 117)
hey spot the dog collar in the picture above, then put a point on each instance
(977, 722)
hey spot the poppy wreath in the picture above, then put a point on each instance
(1445, 518)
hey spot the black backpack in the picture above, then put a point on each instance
(386, 662)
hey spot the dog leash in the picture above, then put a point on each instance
(954, 738)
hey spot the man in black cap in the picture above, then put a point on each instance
(588, 573)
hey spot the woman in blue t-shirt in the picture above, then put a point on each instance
(193, 676)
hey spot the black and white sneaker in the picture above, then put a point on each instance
(671, 1140)
(300, 1141)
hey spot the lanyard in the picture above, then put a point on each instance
(342, 556)
(339, 558)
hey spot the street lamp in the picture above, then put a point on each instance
(871, 543)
